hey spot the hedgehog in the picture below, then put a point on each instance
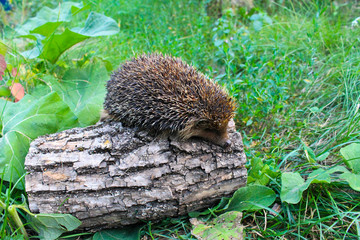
(165, 94)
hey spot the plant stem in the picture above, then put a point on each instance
(15, 217)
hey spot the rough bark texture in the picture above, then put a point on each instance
(107, 175)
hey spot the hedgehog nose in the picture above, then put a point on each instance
(227, 143)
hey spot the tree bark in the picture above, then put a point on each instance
(109, 176)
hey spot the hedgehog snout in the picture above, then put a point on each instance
(224, 142)
(227, 143)
(220, 138)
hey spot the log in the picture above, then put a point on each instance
(109, 176)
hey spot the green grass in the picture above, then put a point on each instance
(295, 80)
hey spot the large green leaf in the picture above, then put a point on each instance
(351, 153)
(24, 121)
(83, 90)
(98, 25)
(59, 43)
(127, 233)
(51, 226)
(50, 45)
(251, 197)
(47, 20)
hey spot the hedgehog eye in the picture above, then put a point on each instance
(207, 129)
(212, 130)
(202, 124)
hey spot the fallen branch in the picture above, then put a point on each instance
(109, 176)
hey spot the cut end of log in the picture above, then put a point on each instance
(108, 175)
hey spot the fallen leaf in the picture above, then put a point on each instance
(17, 90)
